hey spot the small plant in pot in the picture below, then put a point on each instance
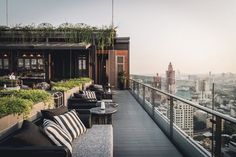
(121, 80)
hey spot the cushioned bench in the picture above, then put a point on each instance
(97, 141)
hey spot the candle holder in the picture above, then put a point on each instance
(103, 105)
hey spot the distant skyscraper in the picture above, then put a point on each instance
(157, 81)
(157, 84)
(183, 113)
(203, 89)
(210, 80)
(183, 117)
(170, 79)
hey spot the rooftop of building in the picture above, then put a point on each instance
(186, 94)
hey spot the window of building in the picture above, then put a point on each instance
(20, 63)
(82, 66)
(40, 64)
(4, 63)
(30, 63)
(120, 63)
(120, 68)
(27, 63)
(34, 64)
(120, 59)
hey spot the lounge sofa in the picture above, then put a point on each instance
(83, 100)
(86, 100)
(101, 93)
(78, 103)
(96, 141)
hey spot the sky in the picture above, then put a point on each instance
(196, 36)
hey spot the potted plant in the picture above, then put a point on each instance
(121, 80)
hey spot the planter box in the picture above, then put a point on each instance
(69, 93)
(86, 85)
(13, 88)
(12, 122)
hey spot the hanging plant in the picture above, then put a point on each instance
(78, 33)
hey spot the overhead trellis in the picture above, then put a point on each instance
(71, 33)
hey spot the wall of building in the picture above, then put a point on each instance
(126, 63)
(111, 65)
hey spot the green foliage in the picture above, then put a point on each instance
(35, 95)
(15, 105)
(58, 88)
(83, 79)
(21, 101)
(122, 76)
(78, 33)
(121, 79)
(69, 84)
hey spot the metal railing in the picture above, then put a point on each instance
(139, 91)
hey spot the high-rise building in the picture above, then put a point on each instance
(203, 89)
(183, 118)
(157, 81)
(183, 113)
(170, 79)
(157, 84)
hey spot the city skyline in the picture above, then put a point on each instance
(196, 36)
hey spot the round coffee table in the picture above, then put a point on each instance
(102, 116)
(108, 104)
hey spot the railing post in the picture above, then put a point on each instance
(144, 95)
(133, 86)
(171, 116)
(130, 88)
(153, 102)
(218, 137)
(213, 125)
(138, 92)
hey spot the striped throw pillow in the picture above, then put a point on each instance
(90, 95)
(57, 134)
(71, 123)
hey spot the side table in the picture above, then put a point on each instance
(102, 116)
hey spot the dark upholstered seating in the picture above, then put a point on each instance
(31, 141)
(101, 93)
(82, 101)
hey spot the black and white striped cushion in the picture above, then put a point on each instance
(90, 95)
(57, 134)
(71, 123)
(93, 95)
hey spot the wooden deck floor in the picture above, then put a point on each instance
(135, 133)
